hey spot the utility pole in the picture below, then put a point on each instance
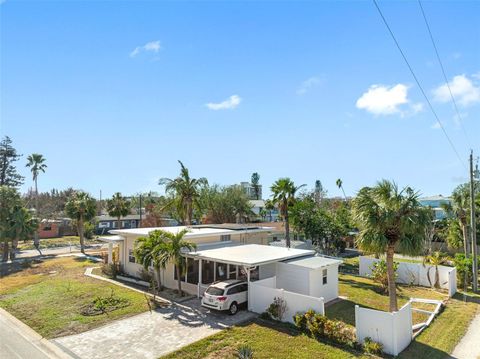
(473, 230)
(140, 209)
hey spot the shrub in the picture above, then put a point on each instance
(245, 352)
(104, 304)
(372, 347)
(278, 308)
(111, 269)
(379, 274)
(464, 269)
(265, 316)
(145, 275)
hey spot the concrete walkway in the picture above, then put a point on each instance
(32, 253)
(151, 335)
(469, 346)
(18, 340)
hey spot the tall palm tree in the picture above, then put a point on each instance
(118, 207)
(81, 207)
(186, 192)
(339, 184)
(390, 218)
(255, 181)
(150, 251)
(459, 209)
(23, 226)
(36, 162)
(175, 247)
(283, 195)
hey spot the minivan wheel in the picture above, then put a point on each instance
(233, 308)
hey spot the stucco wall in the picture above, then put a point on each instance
(328, 291)
(293, 278)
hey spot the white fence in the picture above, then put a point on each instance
(393, 330)
(417, 274)
(263, 292)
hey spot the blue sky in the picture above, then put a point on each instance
(113, 93)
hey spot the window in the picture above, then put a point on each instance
(182, 270)
(125, 224)
(324, 276)
(234, 290)
(214, 291)
(114, 224)
(221, 271)
(232, 271)
(243, 287)
(208, 270)
(103, 224)
(131, 257)
(225, 238)
(133, 224)
(47, 227)
(192, 271)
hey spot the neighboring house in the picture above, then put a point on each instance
(436, 202)
(53, 228)
(250, 190)
(235, 251)
(258, 206)
(104, 223)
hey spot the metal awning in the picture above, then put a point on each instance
(111, 239)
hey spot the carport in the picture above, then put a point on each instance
(249, 257)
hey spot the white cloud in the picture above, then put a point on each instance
(306, 85)
(230, 103)
(152, 46)
(384, 100)
(464, 90)
(436, 126)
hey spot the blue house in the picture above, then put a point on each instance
(435, 203)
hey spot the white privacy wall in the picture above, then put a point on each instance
(293, 278)
(416, 273)
(328, 291)
(393, 330)
(263, 292)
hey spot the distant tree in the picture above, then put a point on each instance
(118, 207)
(186, 192)
(8, 172)
(339, 184)
(319, 192)
(389, 218)
(255, 181)
(283, 195)
(175, 245)
(82, 208)
(9, 201)
(224, 204)
(23, 226)
(36, 162)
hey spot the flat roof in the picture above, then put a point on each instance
(111, 238)
(313, 262)
(250, 254)
(193, 231)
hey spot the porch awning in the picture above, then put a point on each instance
(111, 239)
(250, 255)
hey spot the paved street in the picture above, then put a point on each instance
(18, 341)
(150, 335)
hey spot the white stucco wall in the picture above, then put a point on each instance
(293, 278)
(328, 291)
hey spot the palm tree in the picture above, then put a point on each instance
(186, 193)
(175, 247)
(283, 195)
(23, 226)
(255, 181)
(459, 209)
(36, 162)
(435, 259)
(150, 251)
(81, 207)
(339, 184)
(389, 218)
(118, 206)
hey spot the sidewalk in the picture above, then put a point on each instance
(20, 341)
(469, 347)
(32, 253)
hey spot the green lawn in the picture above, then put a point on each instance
(268, 340)
(55, 242)
(50, 296)
(283, 341)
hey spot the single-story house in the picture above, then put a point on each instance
(104, 223)
(236, 252)
(53, 228)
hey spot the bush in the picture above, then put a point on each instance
(103, 305)
(111, 269)
(88, 230)
(464, 269)
(379, 274)
(145, 275)
(245, 352)
(265, 316)
(278, 308)
(372, 347)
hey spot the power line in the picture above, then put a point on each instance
(444, 74)
(418, 84)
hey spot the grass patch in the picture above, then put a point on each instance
(268, 340)
(46, 243)
(51, 295)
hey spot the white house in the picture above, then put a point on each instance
(235, 251)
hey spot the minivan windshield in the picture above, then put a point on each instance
(214, 291)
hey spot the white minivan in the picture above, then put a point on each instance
(226, 295)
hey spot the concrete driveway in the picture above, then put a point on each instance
(150, 335)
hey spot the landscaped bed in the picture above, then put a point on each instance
(55, 298)
(283, 341)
